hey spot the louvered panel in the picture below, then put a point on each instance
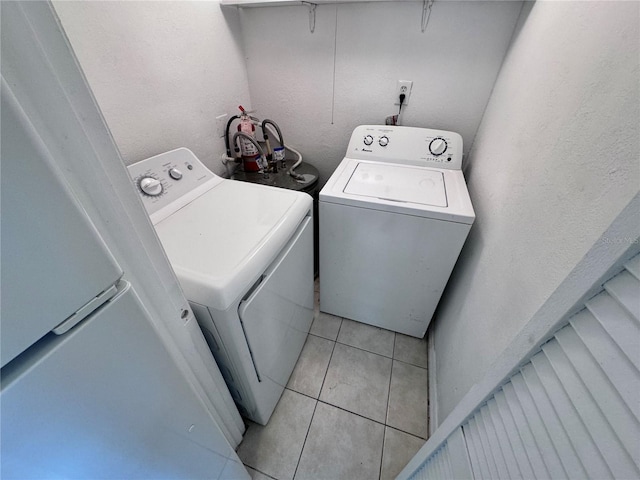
(572, 410)
(503, 440)
(442, 460)
(619, 324)
(427, 472)
(483, 447)
(566, 451)
(633, 266)
(624, 288)
(515, 440)
(448, 466)
(576, 431)
(471, 431)
(474, 458)
(435, 467)
(625, 425)
(484, 422)
(448, 462)
(618, 461)
(615, 364)
(523, 398)
(441, 464)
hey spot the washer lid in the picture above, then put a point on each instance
(446, 198)
(398, 184)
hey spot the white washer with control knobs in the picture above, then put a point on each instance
(243, 254)
(393, 219)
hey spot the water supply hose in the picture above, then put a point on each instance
(252, 140)
(226, 134)
(291, 171)
(271, 122)
(270, 151)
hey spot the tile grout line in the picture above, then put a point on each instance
(392, 357)
(384, 439)
(369, 351)
(260, 471)
(370, 419)
(295, 472)
(411, 364)
(388, 392)
(364, 350)
(386, 413)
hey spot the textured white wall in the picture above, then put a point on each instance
(161, 71)
(453, 66)
(556, 158)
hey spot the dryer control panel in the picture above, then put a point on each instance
(406, 145)
(170, 180)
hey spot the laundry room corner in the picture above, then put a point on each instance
(161, 72)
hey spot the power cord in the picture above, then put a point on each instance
(397, 117)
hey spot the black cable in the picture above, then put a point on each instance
(402, 97)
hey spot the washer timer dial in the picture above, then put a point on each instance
(438, 146)
(384, 141)
(150, 186)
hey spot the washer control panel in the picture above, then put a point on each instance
(407, 145)
(167, 177)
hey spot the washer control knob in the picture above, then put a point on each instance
(368, 140)
(150, 186)
(438, 146)
(175, 173)
(384, 141)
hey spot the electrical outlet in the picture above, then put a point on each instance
(221, 125)
(404, 86)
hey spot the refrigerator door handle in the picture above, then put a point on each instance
(85, 310)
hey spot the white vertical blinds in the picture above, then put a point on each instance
(572, 410)
(449, 461)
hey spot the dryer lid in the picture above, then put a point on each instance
(222, 241)
(398, 183)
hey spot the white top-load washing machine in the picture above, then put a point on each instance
(243, 254)
(393, 219)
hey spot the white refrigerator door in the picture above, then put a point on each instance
(106, 400)
(53, 260)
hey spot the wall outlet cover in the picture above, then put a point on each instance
(403, 86)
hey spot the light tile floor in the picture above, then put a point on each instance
(355, 407)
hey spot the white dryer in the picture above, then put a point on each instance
(393, 219)
(243, 254)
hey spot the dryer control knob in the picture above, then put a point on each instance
(175, 173)
(384, 141)
(150, 186)
(438, 146)
(368, 140)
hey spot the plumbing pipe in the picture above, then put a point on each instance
(266, 139)
(291, 171)
(252, 140)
